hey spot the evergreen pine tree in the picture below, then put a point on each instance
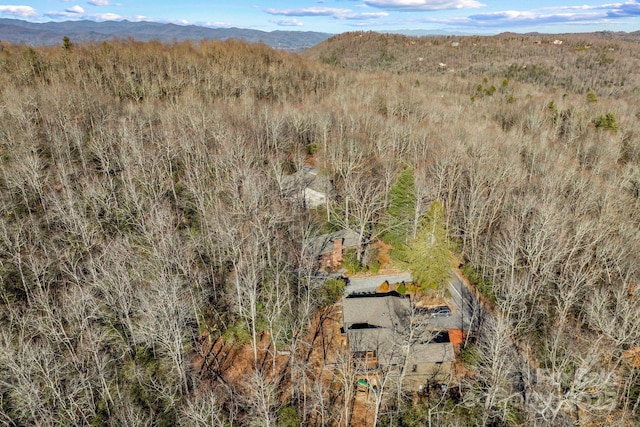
(429, 254)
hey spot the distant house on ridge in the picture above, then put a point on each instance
(329, 249)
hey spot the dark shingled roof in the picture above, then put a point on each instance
(381, 324)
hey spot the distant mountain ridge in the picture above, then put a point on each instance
(51, 33)
(427, 33)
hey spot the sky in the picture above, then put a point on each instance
(338, 16)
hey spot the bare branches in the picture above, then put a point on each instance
(150, 194)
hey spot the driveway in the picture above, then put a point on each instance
(464, 303)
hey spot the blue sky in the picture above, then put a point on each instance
(336, 16)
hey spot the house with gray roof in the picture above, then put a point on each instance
(317, 187)
(385, 331)
(309, 186)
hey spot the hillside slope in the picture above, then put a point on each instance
(571, 62)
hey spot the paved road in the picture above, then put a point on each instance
(463, 304)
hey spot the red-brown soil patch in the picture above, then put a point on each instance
(318, 351)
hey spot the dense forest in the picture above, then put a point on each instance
(152, 209)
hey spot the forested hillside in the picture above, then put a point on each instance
(576, 63)
(152, 204)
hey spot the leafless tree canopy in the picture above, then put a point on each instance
(152, 195)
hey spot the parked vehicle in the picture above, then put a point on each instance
(440, 311)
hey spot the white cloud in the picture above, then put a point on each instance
(367, 15)
(566, 8)
(336, 13)
(287, 22)
(105, 16)
(524, 19)
(309, 11)
(21, 11)
(629, 8)
(215, 24)
(74, 13)
(593, 15)
(423, 5)
(75, 9)
(62, 15)
(100, 2)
